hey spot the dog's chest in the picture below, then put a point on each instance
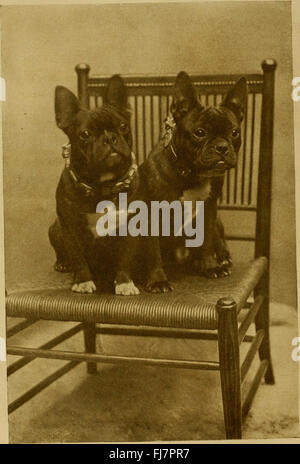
(200, 193)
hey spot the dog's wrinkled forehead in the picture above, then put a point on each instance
(216, 119)
(105, 118)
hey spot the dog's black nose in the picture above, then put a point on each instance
(110, 137)
(222, 148)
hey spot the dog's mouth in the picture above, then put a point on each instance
(107, 177)
(116, 166)
(221, 166)
(217, 170)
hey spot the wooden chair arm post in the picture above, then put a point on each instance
(263, 220)
(82, 71)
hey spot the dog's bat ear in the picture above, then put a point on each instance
(115, 92)
(236, 99)
(185, 96)
(66, 108)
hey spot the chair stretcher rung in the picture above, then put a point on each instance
(161, 332)
(88, 357)
(254, 386)
(14, 367)
(41, 386)
(20, 326)
(157, 332)
(251, 353)
(239, 238)
(250, 317)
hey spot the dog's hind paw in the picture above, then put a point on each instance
(61, 266)
(217, 272)
(126, 289)
(209, 267)
(84, 287)
(226, 266)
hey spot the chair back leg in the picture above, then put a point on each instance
(262, 321)
(89, 332)
(228, 342)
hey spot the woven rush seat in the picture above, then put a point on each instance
(191, 304)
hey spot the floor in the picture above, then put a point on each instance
(147, 404)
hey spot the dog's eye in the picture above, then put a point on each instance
(200, 133)
(123, 127)
(235, 133)
(84, 135)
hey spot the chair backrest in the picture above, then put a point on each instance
(248, 186)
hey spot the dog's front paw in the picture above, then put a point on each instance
(126, 289)
(159, 287)
(84, 287)
(209, 267)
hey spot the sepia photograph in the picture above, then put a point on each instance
(150, 286)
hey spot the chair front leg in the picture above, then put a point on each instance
(229, 357)
(89, 332)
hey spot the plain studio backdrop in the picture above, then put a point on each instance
(41, 46)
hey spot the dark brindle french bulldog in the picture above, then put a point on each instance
(191, 164)
(99, 165)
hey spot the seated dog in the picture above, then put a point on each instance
(99, 165)
(190, 161)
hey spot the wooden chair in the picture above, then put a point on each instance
(199, 308)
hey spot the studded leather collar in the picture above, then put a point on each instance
(110, 190)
